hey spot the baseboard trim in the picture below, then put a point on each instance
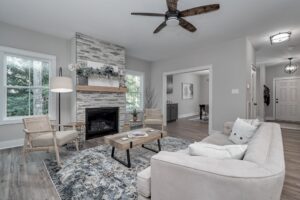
(188, 115)
(11, 143)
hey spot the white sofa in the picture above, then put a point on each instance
(179, 176)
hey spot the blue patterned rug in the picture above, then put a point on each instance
(92, 173)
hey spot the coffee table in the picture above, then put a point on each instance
(116, 142)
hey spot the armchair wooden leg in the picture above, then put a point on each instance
(76, 144)
(57, 153)
(25, 145)
(162, 127)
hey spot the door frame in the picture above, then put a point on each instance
(164, 94)
(274, 90)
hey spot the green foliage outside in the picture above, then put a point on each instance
(133, 96)
(27, 86)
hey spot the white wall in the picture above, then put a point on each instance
(21, 38)
(186, 107)
(228, 62)
(275, 71)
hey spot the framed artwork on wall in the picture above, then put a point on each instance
(170, 84)
(187, 91)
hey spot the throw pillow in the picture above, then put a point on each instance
(242, 132)
(216, 151)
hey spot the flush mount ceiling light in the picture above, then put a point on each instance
(172, 21)
(290, 68)
(280, 37)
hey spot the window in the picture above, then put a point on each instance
(135, 86)
(25, 82)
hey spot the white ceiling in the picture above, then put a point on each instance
(110, 20)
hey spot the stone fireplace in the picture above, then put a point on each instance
(87, 49)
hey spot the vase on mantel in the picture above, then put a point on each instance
(105, 82)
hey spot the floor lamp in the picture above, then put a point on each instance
(60, 84)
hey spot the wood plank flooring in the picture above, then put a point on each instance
(27, 179)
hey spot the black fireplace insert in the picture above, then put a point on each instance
(101, 121)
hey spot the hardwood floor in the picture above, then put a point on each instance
(27, 179)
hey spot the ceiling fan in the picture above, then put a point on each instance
(174, 17)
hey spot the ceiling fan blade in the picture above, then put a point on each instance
(199, 10)
(161, 26)
(172, 5)
(149, 14)
(187, 25)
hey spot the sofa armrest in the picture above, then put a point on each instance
(227, 128)
(178, 176)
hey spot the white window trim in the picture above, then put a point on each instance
(142, 75)
(23, 53)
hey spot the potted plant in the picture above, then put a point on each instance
(134, 115)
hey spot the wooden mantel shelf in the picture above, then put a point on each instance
(89, 88)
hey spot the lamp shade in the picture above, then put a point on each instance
(61, 84)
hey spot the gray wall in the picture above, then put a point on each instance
(229, 62)
(186, 107)
(204, 89)
(20, 38)
(275, 71)
(140, 66)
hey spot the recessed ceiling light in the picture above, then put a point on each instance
(280, 37)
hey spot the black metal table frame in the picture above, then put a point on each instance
(128, 164)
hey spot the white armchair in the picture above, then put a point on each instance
(40, 136)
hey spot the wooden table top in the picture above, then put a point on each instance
(116, 141)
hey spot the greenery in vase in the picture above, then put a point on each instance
(105, 72)
(134, 113)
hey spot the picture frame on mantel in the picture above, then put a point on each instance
(187, 91)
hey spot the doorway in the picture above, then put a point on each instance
(186, 95)
(287, 99)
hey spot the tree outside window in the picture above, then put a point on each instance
(134, 95)
(27, 86)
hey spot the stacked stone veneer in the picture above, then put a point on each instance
(91, 49)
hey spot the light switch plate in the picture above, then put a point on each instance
(235, 91)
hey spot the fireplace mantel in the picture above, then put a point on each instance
(89, 88)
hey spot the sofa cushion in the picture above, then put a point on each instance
(242, 132)
(46, 139)
(217, 139)
(144, 182)
(259, 147)
(217, 151)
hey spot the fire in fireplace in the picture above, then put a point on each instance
(101, 121)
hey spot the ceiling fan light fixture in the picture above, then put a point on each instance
(280, 37)
(172, 21)
(290, 68)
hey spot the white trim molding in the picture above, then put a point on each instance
(11, 143)
(188, 115)
(194, 69)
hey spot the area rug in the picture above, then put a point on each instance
(93, 174)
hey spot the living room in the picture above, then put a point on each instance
(101, 69)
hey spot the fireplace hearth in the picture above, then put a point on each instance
(101, 121)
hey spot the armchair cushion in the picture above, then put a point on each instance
(46, 139)
(217, 139)
(153, 121)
